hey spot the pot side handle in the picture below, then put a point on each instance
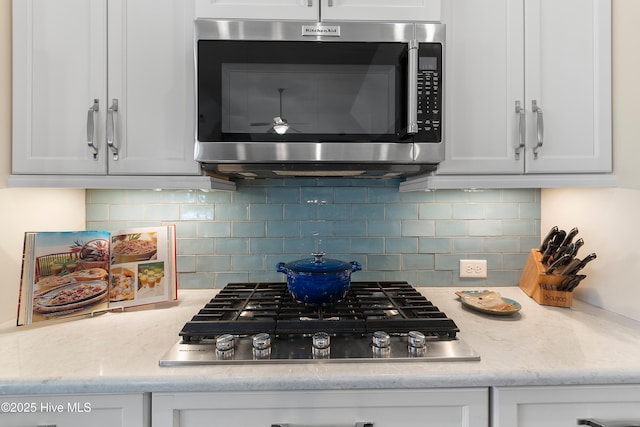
(280, 268)
(355, 266)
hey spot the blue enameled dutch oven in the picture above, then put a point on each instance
(318, 281)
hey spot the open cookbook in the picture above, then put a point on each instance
(84, 272)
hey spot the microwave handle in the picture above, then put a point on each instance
(412, 98)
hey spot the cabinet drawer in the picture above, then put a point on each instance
(104, 410)
(383, 408)
(562, 406)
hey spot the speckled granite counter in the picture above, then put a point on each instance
(119, 352)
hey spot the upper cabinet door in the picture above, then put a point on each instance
(484, 82)
(568, 76)
(380, 10)
(59, 86)
(321, 10)
(151, 79)
(528, 87)
(258, 9)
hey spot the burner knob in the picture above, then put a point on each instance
(417, 339)
(417, 351)
(321, 340)
(226, 354)
(261, 341)
(321, 353)
(381, 352)
(417, 344)
(225, 342)
(262, 354)
(381, 339)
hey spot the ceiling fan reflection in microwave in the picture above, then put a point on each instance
(279, 124)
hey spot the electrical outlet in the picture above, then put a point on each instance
(476, 268)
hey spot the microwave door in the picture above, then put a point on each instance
(323, 102)
(332, 92)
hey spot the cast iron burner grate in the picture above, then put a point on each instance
(252, 308)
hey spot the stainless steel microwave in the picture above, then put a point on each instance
(319, 99)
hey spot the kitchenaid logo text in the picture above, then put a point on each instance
(312, 30)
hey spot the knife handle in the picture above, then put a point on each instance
(576, 281)
(550, 235)
(582, 264)
(566, 283)
(557, 263)
(547, 254)
(561, 252)
(587, 260)
(575, 246)
(569, 267)
(553, 246)
(569, 237)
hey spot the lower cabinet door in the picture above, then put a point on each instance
(563, 406)
(381, 408)
(83, 410)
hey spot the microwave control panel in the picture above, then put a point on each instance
(429, 92)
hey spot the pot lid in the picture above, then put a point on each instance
(318, 264)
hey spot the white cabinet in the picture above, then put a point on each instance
(321, 10)
(383, 408)
(96, 410)
(549, 58)
(151, 74)
(562, 406)
(59, 68)
(76, 59)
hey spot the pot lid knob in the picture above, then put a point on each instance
(317, 256)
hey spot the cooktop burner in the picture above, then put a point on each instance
(261, 322)
(250, 308)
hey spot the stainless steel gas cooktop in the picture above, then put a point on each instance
(261, 323)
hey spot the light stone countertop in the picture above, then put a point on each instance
(119, 352)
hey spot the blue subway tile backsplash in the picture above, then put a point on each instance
(419, 237)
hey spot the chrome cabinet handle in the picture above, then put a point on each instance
(111, 129)
(93, 110)
(360, 424)
(595, 423)
(330, 3)
(521, 129)
(309, 3)
(412, 107)
(539, 127)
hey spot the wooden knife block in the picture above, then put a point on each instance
(535, 282)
